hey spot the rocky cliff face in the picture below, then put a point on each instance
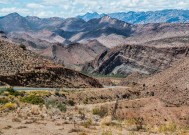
(128, 59)
(19, 67)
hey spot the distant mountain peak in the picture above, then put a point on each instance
(93, 13)
(88, 16)
(106, 18)
(15, 14)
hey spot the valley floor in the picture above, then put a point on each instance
(97, 111)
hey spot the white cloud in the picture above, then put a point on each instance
(5, 1)
(45, 14)
(11, 10)
(70, 8)
(35, 6)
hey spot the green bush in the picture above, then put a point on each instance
(62, 107)
(33, 99)
(12, 92)
(2, 91)
(3, 100)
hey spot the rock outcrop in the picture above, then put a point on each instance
(128, 59)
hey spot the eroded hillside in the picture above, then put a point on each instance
(128, 59)
(21, 67)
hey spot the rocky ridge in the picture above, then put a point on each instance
(128, 59)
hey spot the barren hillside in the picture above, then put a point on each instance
(23, 68)
(171, 85)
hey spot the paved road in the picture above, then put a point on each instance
(28, 88)
(32, 88)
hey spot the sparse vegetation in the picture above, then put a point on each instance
(62, 107)
(107, 132)
(102, 111)
(169, 127)
(8, 106)
(74, 130)
(56, 104)
(13, 92)
(87, 123)
(3, 100)
(86, 101)
(33, 99)
(10, 91)
(137, 122)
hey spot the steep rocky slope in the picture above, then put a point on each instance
(171, 85)
(23, 68)
(75, 54)
(128, 59)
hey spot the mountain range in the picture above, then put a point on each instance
(78, 44)
(169, 15)
(36, 23)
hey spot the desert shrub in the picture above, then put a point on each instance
(102, 111)
(2, 90)
(138, 122)
(40, 93)
(23, 47)
(3, 100)
(114, 124)
(107, 132)
(56, 104)
(33, 99)
(71, 102)
(75, 130)
(86, 101)
(9, 106)
(62, 107)
(82, 114)
(170, 127)
(11, 91)
(87, 123)
(50, 103)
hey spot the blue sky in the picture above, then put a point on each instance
(70, 8)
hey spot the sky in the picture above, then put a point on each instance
(71, 8)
